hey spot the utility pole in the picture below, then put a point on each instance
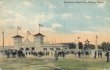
(96, 42)
(78, 44)
(78, 39)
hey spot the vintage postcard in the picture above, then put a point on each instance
(54, 34)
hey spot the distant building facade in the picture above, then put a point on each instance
(39, 45)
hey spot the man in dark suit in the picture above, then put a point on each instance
(107, 55)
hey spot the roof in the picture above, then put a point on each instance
(27, 41)
(17, 36)
(39, 34)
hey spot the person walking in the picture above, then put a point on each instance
(101, 54)
(95, 54)
(107, 55)
(63, 54)
(56, 56)
(79, 54)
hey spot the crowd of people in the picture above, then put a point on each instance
(86, 54)
(20, 53)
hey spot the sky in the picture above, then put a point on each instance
(62, 22)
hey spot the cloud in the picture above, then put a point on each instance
(51, 6)
(70, 16)
(102, 4)
(1, 2)
(107, 18)
(42, 17)
(48, 16)
(87, 17)
(11, 19)
(83, 32)
(104, 28)
(51, 29)
(56, 25)
(67, 16)
(27, 3)
(2, 22)
(48, 30)
(19, 17)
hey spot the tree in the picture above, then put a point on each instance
(72, 46)
(105, 46)
(99, 46)
(80, 45)
(92, 46)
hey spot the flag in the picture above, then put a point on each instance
(29, 32)
(40, 25)
(18, 28)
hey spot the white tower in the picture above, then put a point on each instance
(39, 38)
(17, 41)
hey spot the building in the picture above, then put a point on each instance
(17, 41)
(39, 45)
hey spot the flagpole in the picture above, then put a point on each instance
(27, 34)
(39, 28)
(17, 30)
